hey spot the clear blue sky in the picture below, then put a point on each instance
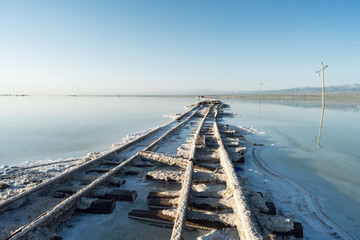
(153, 46)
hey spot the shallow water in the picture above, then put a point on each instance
(40, 128)
(331, 173)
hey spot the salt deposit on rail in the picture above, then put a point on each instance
(197, 187)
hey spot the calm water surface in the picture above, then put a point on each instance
(331, 173)
(40, 128)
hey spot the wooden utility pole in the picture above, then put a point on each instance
(322, 100)
(323, 92)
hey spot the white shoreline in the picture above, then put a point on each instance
(314, 214)
(27, 175)
(22, 177)
(317, 224)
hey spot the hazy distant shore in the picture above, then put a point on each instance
(332, 97)
(309, 97)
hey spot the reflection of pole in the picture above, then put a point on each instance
(260, 84)
(260, 110)
(322, 101)
(321, 121)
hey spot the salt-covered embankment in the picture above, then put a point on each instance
(47, 204)
(208, 155)
(292, 198)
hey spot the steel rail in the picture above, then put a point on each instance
(246, 226)
(21, 198)
(55, 214)
(180, 217)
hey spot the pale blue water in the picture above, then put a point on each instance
(40, 128)
(331, 173)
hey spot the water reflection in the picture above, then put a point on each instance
(289, 129)
(46, 127)
(348, 107)
(260, 108)
(351, 107)
(321, 122)
(260, 84)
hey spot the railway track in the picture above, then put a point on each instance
(198, 183)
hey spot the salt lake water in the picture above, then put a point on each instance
(331, 173)
(40, 128)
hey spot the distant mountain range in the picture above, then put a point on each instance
(345, 88)
(340, 88)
